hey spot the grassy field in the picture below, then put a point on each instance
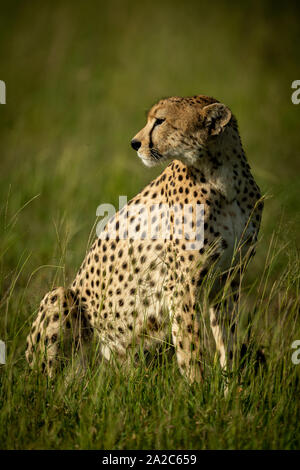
(79, 77)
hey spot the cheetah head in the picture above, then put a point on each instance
(181, 128)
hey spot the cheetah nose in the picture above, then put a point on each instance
(135, 144)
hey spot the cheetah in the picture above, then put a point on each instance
(142, 278)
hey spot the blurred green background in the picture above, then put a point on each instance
(79, 77)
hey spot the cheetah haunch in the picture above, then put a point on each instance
(134, 286)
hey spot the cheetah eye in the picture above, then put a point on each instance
(159, 121)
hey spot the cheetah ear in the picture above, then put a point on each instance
(216, 116)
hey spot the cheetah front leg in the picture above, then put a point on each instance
(186, 339)
(57, 326)
(224, 332)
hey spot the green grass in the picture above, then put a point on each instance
(152, 406)
(79, 77)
